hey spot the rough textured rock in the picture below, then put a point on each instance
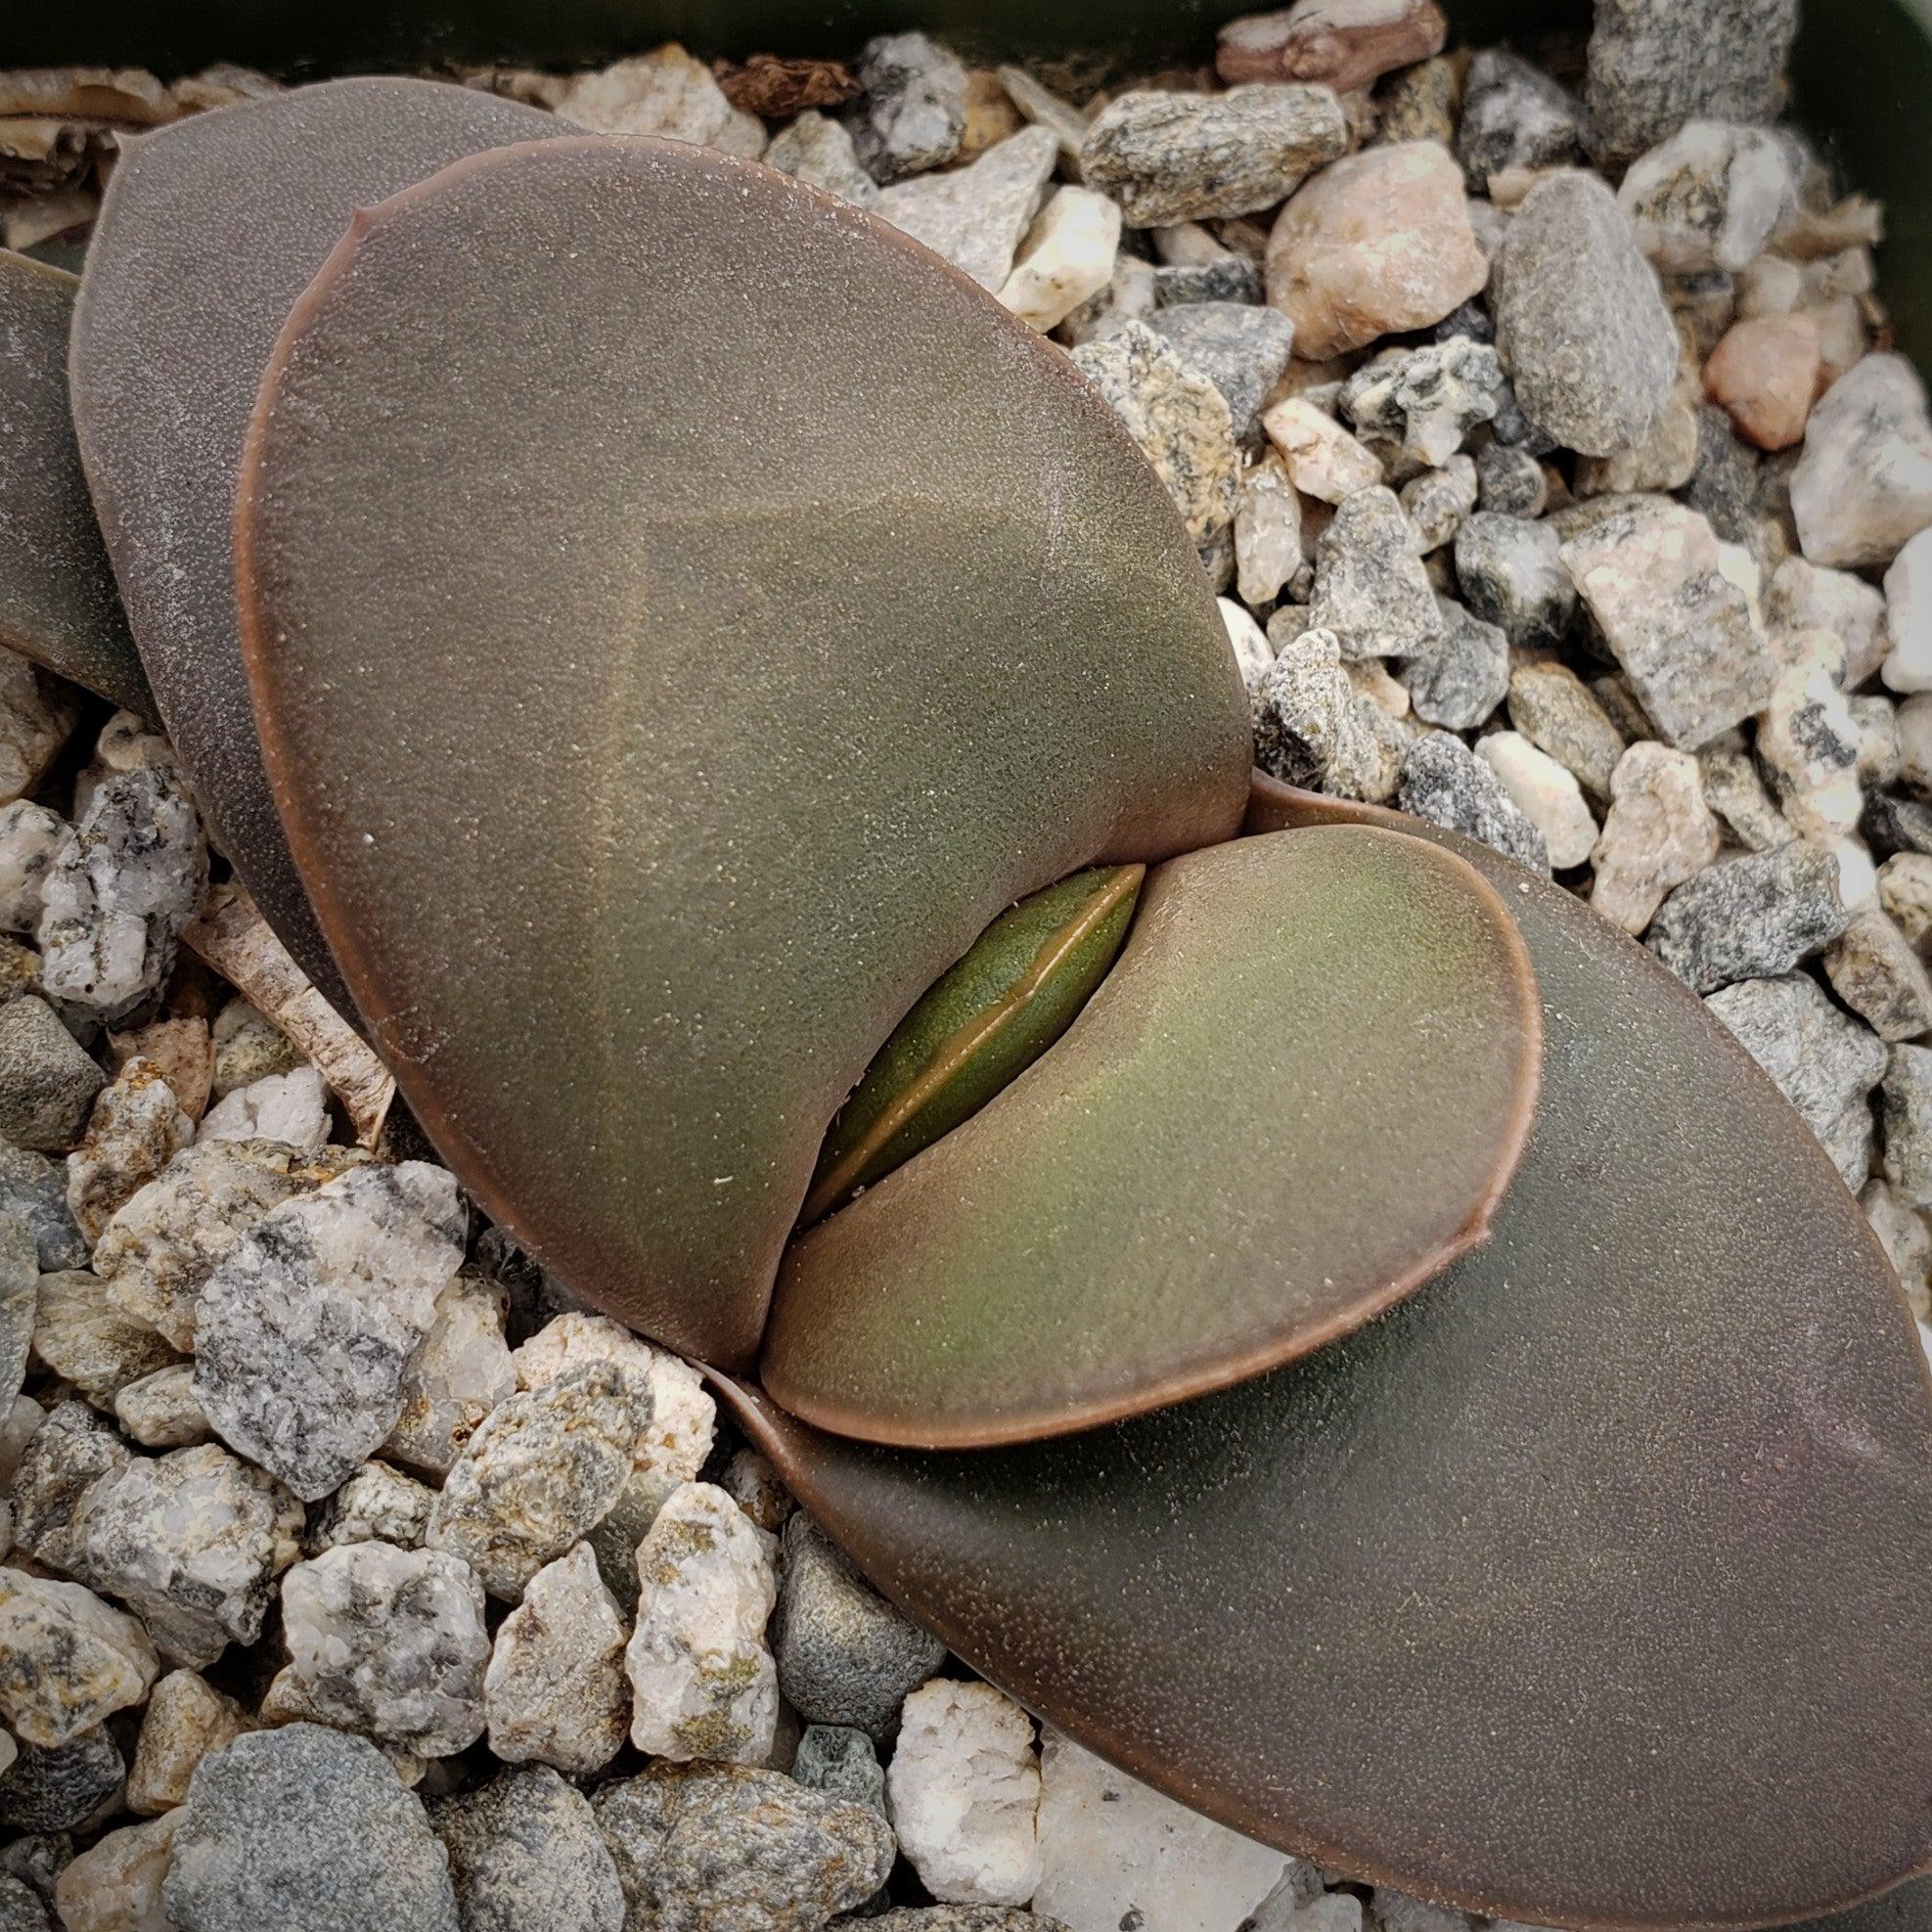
(33, 1190)
(1438, 500)
(1708, 196)
(754, 1486)
(1546, 794)
(186, 1720)
(1377, 243)
(1445, 782)
(115, 1884)
(846, 1657)
(666, 93)
(1907, 1105)
(377, 1505)
(1343, 44)
(303, 1329)
(1863, 484)
(1065, 258)
(310, 1814)
(1322, 459)
(67, 1660)
(1658, 834)
(1512, 573)
(1178, 418)
(131, 874)
(1874, 970)
(964, 1789)
(1651, 575)
(1371, 592)
(386, 1642)
(1421, 403)
(1906, 1241)
(1580, 320)
(819, 149)
(975, 215)
(47, 1082)
(1751, 918)
(1462, 679)
(840, 1761)
(38, 711)
(71, 1450)
(191, 1541)
(290, 1107)
(1824, 1064)
(1554, 709)
(1239, 347)
(61, 1786)
(1908, 616)
(160, 1411)
(1514, 117)
(711, 1846)
(1173, 156)
(1114, 1852)
(78, 1333)
(31, 840)
(182, 1048)
(1654, 64)
(1810, 743)
(541, 1472)
(913, 113)
(1666, 459)
(20, 1300)
(704, 1685)
(164, 1242)
(1512, 480)
(135, 1129)
(247, 1047)
(1734, 791)
(1312, 728)
(556, 1690)
(524, 1851)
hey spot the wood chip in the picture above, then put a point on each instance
(234, 939)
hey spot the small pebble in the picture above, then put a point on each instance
(1312, 728)
(160, 1411)
(1658, 834)
(1344, 44)
(1240, 349)
(1371, 592)
(33, 1190)
(461, 1372)
(524, 1851)
(71, 1450)
(1666, 459)
(1863, 485)
(1438, 500)
(1546, 794)
(80, 1334)
(115, 1884)
(1514, 117)
(842, 1761)
(1066, 258)
(1906, 1241)
(1421, 403)
(47, 1082)
(1707, 197)
(817, 149)
(1460, 682)
(1874, 970)
(1267, 532)
(248, 1047)
(31, 840)
(61, 1786)
(290, 1109)
(1802, 597)
(135, 1129)
(1904, 890)
(1445, 782)
(666, 93)
(377, 1505)
(913, 113)
(67, 1660)
(1322, 459)
(185, 1720)
(1554, 709)
(976, 215)
(1512, 575)
(1908, 665)
(1751, 918)
(964, 1789)
(1764, 375)
(1737, 793)
(1510, 482)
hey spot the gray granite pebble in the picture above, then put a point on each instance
(22, 1909)
(1241, 349)
(1558, 714)
(1444, 782)
(62, 1785)
(1511, 483)
(1514, 116)
(1908, 1114)
(913, 113)
(524, 1851)
(819, 149)
(305, 1826)
(1230, 279)
(975, 215)
(1421, 404)
(47, 1082)
(33, 1189)
(1464, 679)
(1311, 728)
(1874, 970)
(1511, 572)
(1750, 918)
(1371, 589)
(842, 1760)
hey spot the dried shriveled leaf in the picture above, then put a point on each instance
(58, 602)
(1591, 1585)
(986, 1021)
(821, 672)
(210, 231)
(1297, 1095)
(129, 95)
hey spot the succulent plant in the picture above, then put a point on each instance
(1299, 1301)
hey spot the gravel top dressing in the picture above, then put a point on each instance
(1539, 430)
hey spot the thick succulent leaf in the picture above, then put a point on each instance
(58, 602)
(683, 612)
(1300, 1092)
(209, 230)
(1906, 1908)
(986, 1021)
(1591, 1585)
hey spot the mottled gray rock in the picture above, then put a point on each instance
(1438, 500)
(63, 1785)
(22, 1909)
(1240, 349)
(1168, 156)
(33, 1190)
(1556, 710)
(1824, 1063)
(31, 840)
(73, 1450)
(1874, 970)
(707, 1846)
(975, 215)
(1421, 404)
(1659, 832)
(556, 1690)
(524, 1851)
(47, 1083)
(842, 1761)
(377, 1505)
(1514, 116)
(817, 149)
(19, 1279)
(1511, 483)
(1863, 485)
(1735, 792)
(459, 1375)
(1750, 918)
(1907, 1240)
(1444, 782)
(1579, 321)
(913, 113)
(1310, 727)
(193, 1541)
(385, 1641)
(846, 1657)
(1371, 591)
(1654, 64)
(67, 1660)
(1178, 417)
(1907, 1115)
(35, 1859)
(311, 1816)
(132, 873)
(1230, 278)
(162, 1244)
(82, 1336)
(960, 1918)
(1512, 573)
(1707, 197)
(137, 1126)
(541, 1472)
(1460, 682)
(1651, 576)
(303, 1329)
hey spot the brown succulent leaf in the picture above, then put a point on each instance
(1615, 1537)
(1298, 1095)
(767, 558)
(775, 87)
(210, 231)
(58, 602)
(1906, 1908)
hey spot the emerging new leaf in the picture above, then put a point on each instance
(623, 493)
(57, 604)
(210, 229)
(1297, 1095)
